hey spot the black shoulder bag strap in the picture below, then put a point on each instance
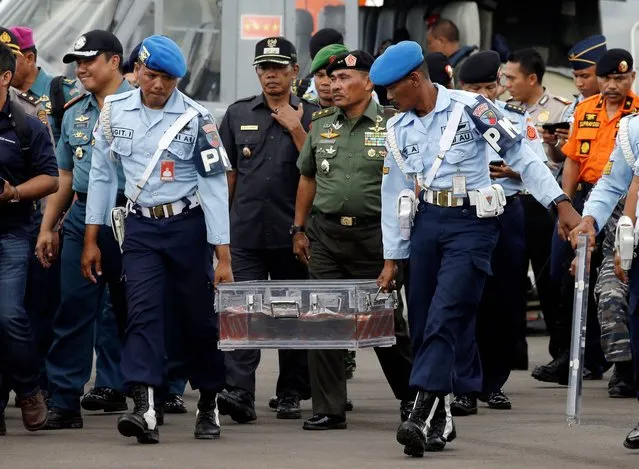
(56, 93)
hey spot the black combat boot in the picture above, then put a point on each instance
(142, 422)
(441, 428)
(412, 432)
(554, 372)
(207, 420)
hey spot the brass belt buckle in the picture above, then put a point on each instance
(442, 199)
(158, 211)
(346, 221)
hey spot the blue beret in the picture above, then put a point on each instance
(587, 52)
(396, 62)
(163, 55)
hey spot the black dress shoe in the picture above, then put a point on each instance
(348, 407)
(632, 439)
(554, 372)
(404, 409)
(175, 405)
(207, 421)
(3, 425)
(59, 419)
(497, 400)
(325, 422)
(288, 408)
(105, 399)
(238, 404)
(463, 406)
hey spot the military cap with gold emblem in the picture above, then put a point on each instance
(587, 52)
(615, 62)
(10, 40)
(277, 50)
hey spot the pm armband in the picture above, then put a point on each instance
(210, 155)
(498, 131)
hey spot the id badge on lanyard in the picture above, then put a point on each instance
(459, 186)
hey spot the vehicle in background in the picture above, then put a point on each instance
(218, 36)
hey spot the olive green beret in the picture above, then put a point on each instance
(322, 58)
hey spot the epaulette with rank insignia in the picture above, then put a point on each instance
(72, 101)
(28, 97)
(324, 112)
(562, 100)
(514, 108)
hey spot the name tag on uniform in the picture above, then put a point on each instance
(249, 127)
(120, 132)
(167, 171)
(184, 138)
(459, 186)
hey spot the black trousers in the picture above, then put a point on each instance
(539, 226)
(355, 252)
(562, 258)
(260, 264)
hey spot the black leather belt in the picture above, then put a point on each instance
(119, 201)
(351, 221)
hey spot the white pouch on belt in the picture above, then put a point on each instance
(406, 212)
(118, 214)
(625, 241)
(490, 201)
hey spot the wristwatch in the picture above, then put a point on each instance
(16, 195)
(561, 198)
(294, 229)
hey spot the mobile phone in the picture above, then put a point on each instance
(557, 125)
(497, 163)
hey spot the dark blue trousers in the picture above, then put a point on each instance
(70, 357)
(450, 258)
(158, 256)
(504, 299)
(633, 309)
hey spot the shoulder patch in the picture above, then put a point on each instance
(562, 100)
(72, 101)
(515, 108)
(324, 112)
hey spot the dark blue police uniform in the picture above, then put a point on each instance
(18, 354)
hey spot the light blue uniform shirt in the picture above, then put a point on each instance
(525, 125)
(135, 141)
(418, 140)
(74, 150)
(615, 180)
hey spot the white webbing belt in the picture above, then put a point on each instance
(624, 142)
(444, 145)
(165, 141)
